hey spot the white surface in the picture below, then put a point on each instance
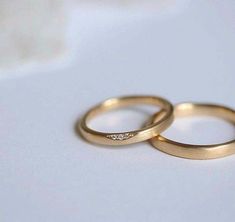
(49, 174)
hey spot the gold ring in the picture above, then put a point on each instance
(124, 138)
(201, 152)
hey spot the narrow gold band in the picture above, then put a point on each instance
(124, 138)
(197, 151)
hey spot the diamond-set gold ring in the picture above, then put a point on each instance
(124, 138)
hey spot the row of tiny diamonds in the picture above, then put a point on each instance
(121, 136)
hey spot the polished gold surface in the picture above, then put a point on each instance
(201, 152)
(122, 138)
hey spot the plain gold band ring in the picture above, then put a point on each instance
(197, 151)
(124, 138)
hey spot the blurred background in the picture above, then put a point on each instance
(38, 33)
(60, 57)
(35, 33)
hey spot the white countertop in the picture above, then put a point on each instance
(50, 174)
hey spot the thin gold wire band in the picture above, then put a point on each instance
(200, 152)
(124, 138)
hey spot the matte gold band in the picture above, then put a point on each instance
(124, 138)
(197, 151)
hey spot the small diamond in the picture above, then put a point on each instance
(114, 137)
(121, 137)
